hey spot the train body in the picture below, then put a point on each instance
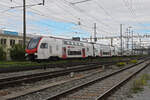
(41, 48)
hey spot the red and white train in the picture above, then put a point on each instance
(41, 48)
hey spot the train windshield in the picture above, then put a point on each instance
(33, 43)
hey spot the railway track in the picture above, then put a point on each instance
(9, 81)
(17, 68)
(18, 79)
(58, 96)
(100, 88)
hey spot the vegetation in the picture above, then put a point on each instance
(121, 64)
(23, 63)
(2, 54)
(138, 85)
(17, 52)
(133, 61)
(28, 63)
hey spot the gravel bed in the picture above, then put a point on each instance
(24, 86)
(21, 73)
(125, 93)
(54, 90)
(13, 74)
(93, 91)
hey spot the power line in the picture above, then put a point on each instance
(86, 14)
(80, 2)
(105, 11)
(24, 22)
(131, 10)
(81, 25)
(47, 16)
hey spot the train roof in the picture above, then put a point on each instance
(74, 40)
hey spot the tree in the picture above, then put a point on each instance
(17, 52)
(2, 54)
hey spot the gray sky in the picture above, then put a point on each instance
(108, 14)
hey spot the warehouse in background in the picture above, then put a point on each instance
(9, 39)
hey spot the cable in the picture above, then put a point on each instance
(86, 14)
(105, 11)
(39, 13)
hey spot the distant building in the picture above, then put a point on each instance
(8, 39)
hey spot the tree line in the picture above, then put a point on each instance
(17, 52)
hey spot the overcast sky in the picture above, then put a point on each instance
(61, 17)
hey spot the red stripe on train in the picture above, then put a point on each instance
(64, 55)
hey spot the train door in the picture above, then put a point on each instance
(50, 50)
(83, 52)
(43, 51)
(101, 52)
(64, 55)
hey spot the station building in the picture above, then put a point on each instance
(8, 39)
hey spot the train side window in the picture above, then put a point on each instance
(70, 43)
(87, 49)
(73, 43)
(106, 53)
(81, 44)
(65, 42)
(44, 45)
(74, 52)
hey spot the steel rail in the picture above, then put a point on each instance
(53, 97)
(7, 82)
(56, 96)
(105, 95)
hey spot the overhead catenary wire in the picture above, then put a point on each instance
(68, 11)
(51, 26)
(103, 31)
(42, 15)
(129, 5)
(106, 12)
(86, 14)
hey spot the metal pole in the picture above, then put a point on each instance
(121, 38)
(95, 39)
(129, 30)
(132, 42)
(127, 39)
(111, 42)
(24, 24)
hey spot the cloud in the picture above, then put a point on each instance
(60, 17)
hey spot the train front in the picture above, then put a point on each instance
(32, 48)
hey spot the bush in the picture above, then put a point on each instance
(139, 84)
(120, 64)
(17, 52)
(2, 54)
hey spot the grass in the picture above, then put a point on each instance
(138, 85)
(17, 63)
(25, 63)
(133, 61)
(28, 63)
